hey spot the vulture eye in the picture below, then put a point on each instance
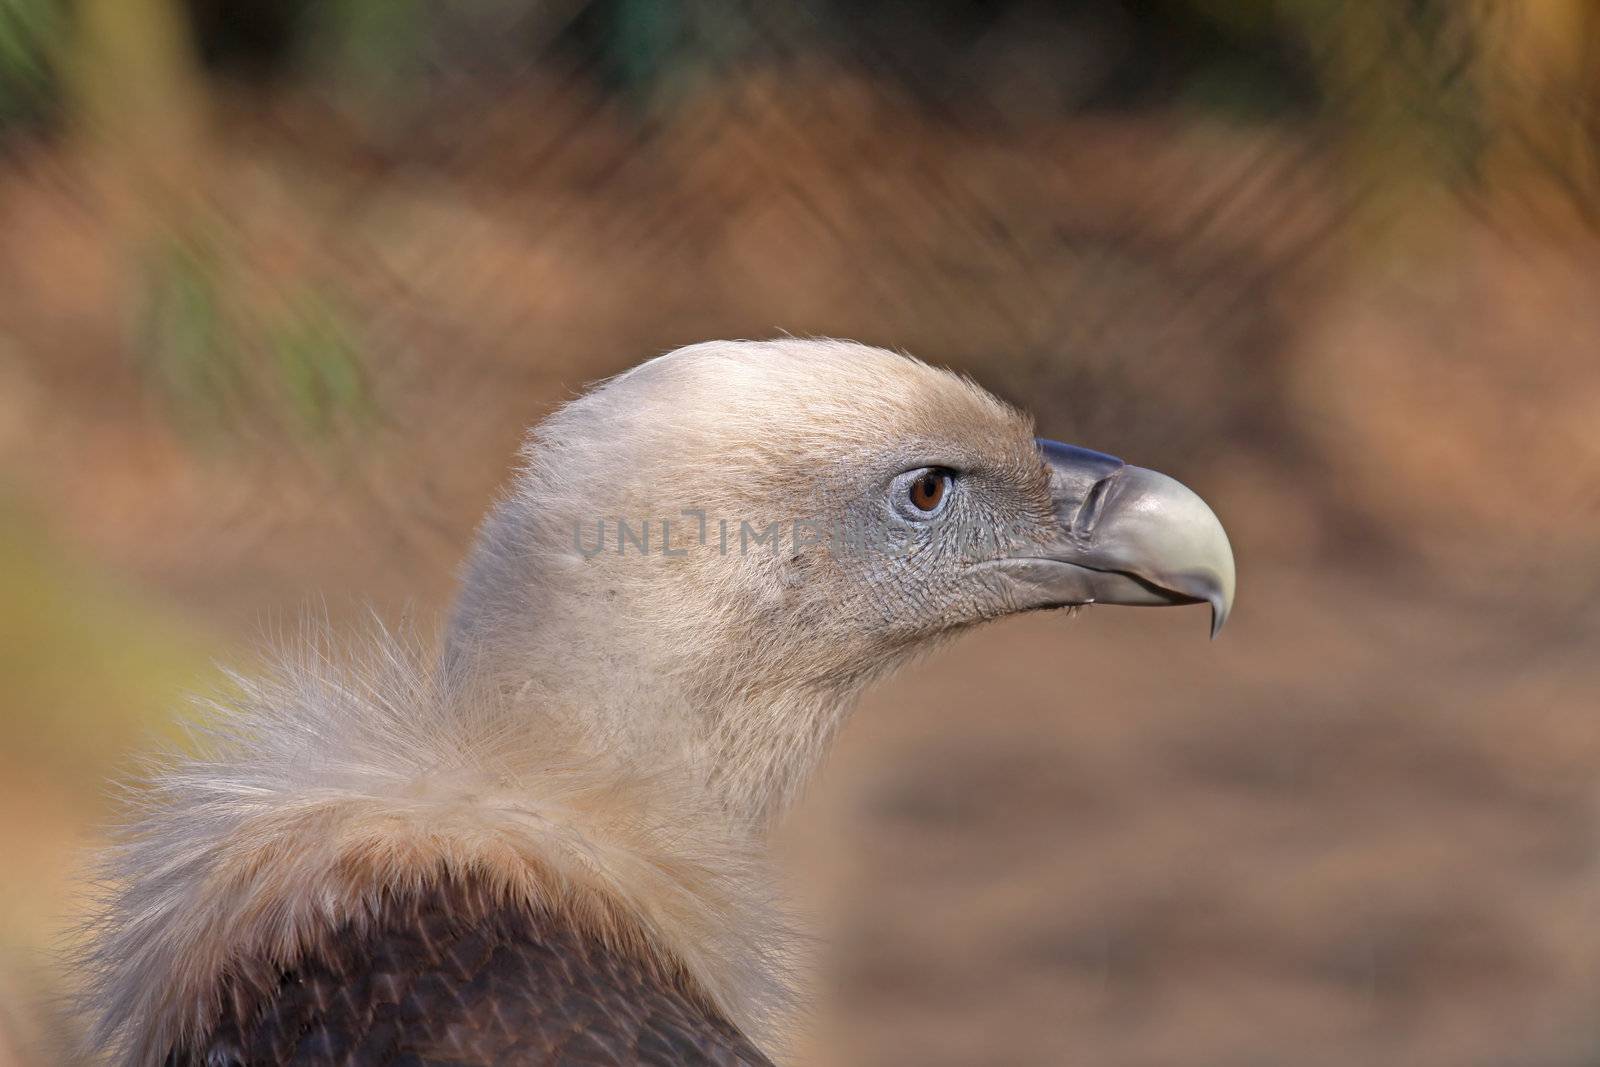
(928, 490)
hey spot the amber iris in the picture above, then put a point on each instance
(928, 490)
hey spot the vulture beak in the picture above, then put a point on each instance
(1126, 535)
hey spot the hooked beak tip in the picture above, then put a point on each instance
(1219, 614)
(1148, 539)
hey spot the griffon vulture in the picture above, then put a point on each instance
(544, 844)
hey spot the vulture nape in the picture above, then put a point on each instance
(543, 842)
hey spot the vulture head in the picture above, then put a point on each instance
(544, 842)
(716, 550)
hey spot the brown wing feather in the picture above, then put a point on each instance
(444, 978)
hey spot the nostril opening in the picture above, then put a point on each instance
(1083, 522)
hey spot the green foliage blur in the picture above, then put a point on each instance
(33, 34)
(225, 373)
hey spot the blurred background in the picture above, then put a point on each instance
(282, 281)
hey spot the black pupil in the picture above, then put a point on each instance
(928, 491)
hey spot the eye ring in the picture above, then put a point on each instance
(927, 491)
